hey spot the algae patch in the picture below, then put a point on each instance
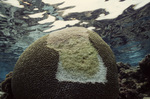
(77, 55)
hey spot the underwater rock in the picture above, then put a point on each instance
(56, 66)
(145, 65)
(132, 83)
(6, 87)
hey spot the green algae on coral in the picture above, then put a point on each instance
(77, 54)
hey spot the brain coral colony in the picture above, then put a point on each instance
(73, 63)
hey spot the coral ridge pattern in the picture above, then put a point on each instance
(73, 63)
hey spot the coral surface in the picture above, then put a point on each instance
(35, 75)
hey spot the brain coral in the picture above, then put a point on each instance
(73, 63)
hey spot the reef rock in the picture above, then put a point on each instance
(133, 83)
(145, 65)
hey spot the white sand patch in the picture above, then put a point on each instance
(37, 15)
(91, 28)
(36, 9)
(114, 7)
(25, 17)
(141, 4)
(60, 24)
(99, 77)
(2, 15)
(13, 2)
(52, 1)
(84, 23)
(49, 19)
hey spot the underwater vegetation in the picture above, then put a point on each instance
(45, 71)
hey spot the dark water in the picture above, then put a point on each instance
(128, 35)
(133, 52)
(7, 62)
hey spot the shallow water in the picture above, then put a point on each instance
(128, 35)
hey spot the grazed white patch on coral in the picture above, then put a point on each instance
(99, 77)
